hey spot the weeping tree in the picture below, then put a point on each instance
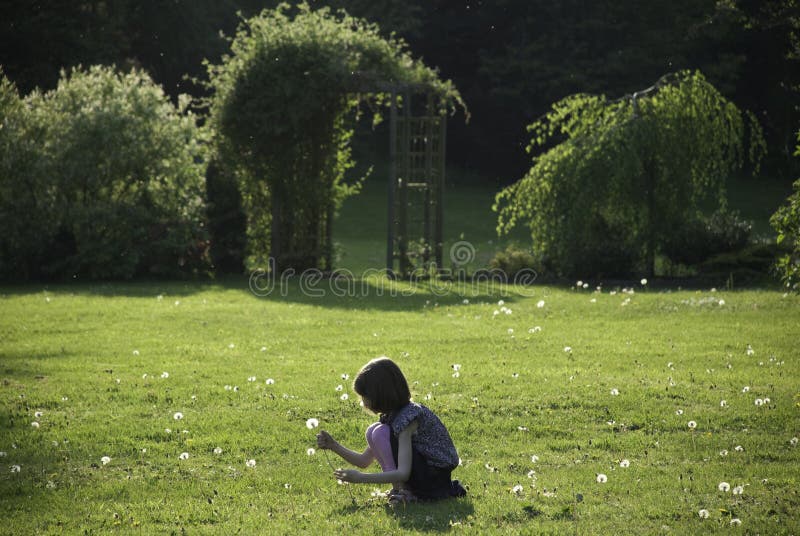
(614, 179)
(284, 102)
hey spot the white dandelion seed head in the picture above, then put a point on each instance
(602, 478)
(495, 313)
(721, 302)
(625, 463)
(3, 454)
(456, 374)
(736, 521)
(105, 460)
(759, 402)
(310, 452)
(738, 490)
(184, 456)
(178, 416)
(724, 487)
(746, 389)
(738, 448)
(703, 513)
(16, 468)
(231, 346)
(339, 388)
(465, 301)
(269, 381)
(344, 396)
(568, 349)
(251, 378)
(501, 303)
(534, 458)
(217, 450)
(586, 285)
(643, 281)
(456, 366)
(250, 463)
(508, 311)
(531, 474)
(312, 423)
(263, 348)
(540, 304)
(614, 392)
(35, 424)
(723, 452)
(692, 425)
(136, 352)
(793, 441)
(167, 430)
(235, 388)
(288, 486)
(37, 414)
(510, 331)
(766, 400)
(345, 376)
(678, 412)
(165, 374)
(517, 489)
(723, 403)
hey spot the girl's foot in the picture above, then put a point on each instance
(401, 496)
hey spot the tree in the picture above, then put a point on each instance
(282, 108)
(616, 178)
(786, 221)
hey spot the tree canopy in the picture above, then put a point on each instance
(616, 178)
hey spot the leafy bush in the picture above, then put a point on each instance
(706, 236)
(786, 221)
(512, 261)
(117, 185)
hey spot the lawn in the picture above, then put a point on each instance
(585, 381)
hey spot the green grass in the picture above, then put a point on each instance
(79, 355)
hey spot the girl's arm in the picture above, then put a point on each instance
(401, 474)
(325, 441)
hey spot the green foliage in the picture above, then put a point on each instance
(117, 187)
(512, 261)
(282, 105)
(705, 236)
(786, 222)
(628, 172)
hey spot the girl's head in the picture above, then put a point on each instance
(382, 386)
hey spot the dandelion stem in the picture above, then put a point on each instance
(349, 491)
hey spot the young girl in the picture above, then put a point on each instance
(409, 442)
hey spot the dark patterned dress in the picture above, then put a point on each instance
(433, 454)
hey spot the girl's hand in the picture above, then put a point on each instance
(324, 440)
(348, 475)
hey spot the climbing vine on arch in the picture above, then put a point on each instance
(284, 103)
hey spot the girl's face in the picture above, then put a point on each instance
(366, 403)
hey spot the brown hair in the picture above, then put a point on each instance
(383, 385)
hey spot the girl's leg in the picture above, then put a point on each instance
(379, 440)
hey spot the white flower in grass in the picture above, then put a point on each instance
(568, 349)
(534, 458)
(746, 389)
(3, 454)
(339, 387)
(738, 490)
(507, 311)
(456, 374)
(288, 486)
(643, 282)
(312, 423)
(184, 456)
(678, 412)
(251, 378)
(495, 313)
(269, 381)
(165, 374)
(35, 424)
(692, 425)
(625, 463)
(37, 414)
(724, 487)
(517, 489)
(136, 352)
(766, 400)
(602, 478)
(736, 521)
(703, 513)
(759, 402)
(178, 416)
(501, 303)
(456, 366)
(250, 463)
(217, 450)
(16, 468)
(723, 452)
(510, 331)
(167, 431)
(540, 304)
(532, 474)
(793, 441)
(614, 392)
(231, 346)
(311, 452)
(344, 396)
(738, 448)
(465, 301)
(263, 348)
(723, 403)
(105, 460)
(345, 376)
(721, 302)
(749, 350)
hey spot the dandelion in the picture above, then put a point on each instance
(510, 331)
(540, 304)
(231, 346)
(312, 423)
(311, 452)
(593, 300)
(507, 311)
(517, 489)
(738, 490)
(3, 454)
(721, 302)
(38, 414)
(339, 387)
(703, 513)
(251, 379)
(643, 282)
(759, 402)
(217, 450)
(345, 377)
(614, 392)
(625, 463)
(678, 412)
(16, 468)
(178, 416)
(501, 303)
(534, 329)
(165, 374)
(568, 349)
(184, 456)
(167, 431)
(456, 367)
(738, 448)
(736, 521)
(250, 463)
(534, 458)
(749, 350)
(288, 486)
(746, 389)
(136, 352)
(766, 400)
(793, 441)
(269, 381)
(531, 474)
(723, 452)
(522, 428)
(177, 302)
(465, 301)
(724, 487)
(495, 312)
(263, 348)
(586, 285)
(692, 425)
(456, 374)
(105, 460)
(35, 424)
(579, 284)
(602, 478)
(723, 403)
(344, 396)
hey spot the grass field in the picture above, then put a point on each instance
(556, 386)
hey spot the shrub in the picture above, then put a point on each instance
(122, 169)
(786, 221)
(706, 236)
